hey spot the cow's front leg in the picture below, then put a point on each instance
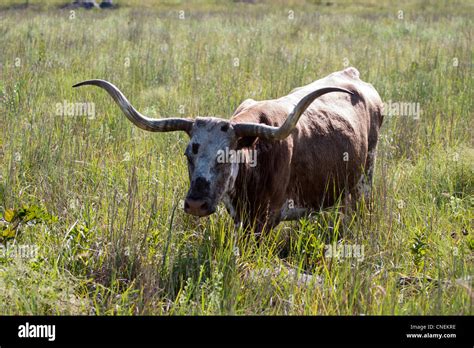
(237, 221)
(289, 212)
(363, 189)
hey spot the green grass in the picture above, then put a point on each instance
(100, 199)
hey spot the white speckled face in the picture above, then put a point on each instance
(210, 178)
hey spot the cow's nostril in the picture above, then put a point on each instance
(197, 207)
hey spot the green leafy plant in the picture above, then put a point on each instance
(418, 249)
(13, 219)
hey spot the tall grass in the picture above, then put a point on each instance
(120, 242)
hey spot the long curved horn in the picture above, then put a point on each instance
(139, 120)
(279, 133)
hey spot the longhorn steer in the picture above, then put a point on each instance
(311, 146)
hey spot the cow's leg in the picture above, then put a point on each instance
(238, 225)
(106, 4)
(370, 168)
(293, 214)
(362, 189)
(289, 212)
(85, 3)
(364, 186)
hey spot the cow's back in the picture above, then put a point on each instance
(323, 155)
(333, 138)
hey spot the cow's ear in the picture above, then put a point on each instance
(246, 142)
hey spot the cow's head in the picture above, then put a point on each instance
(212, 164)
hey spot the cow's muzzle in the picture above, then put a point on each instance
(198, 207)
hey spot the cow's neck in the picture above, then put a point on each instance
(240, 199)
(246, 201)
(237, 190)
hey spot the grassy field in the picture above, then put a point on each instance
(92, 219)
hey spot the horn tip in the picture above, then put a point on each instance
(79, 84)
(347, 91)
(91, 82)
